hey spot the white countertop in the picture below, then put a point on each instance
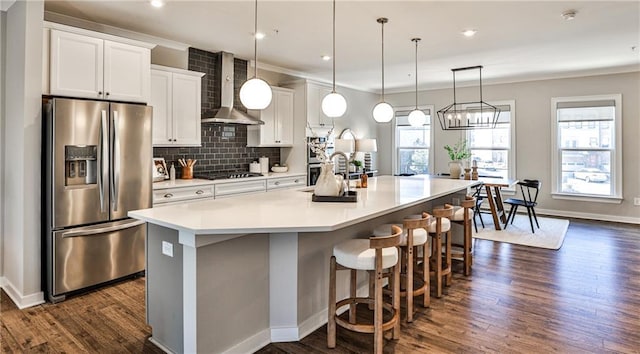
(179, 183)
(292, 210)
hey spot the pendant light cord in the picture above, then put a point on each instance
(334, 46)
(255, 41)
(416, 40)
(382, 22)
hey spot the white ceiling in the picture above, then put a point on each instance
(516, 40)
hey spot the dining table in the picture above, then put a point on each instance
(492, 187)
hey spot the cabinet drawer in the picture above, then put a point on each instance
(286, 182)
(227, 189)
(181, 194)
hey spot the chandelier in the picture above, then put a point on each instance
(468, 115)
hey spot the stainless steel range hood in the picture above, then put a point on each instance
(226, 113)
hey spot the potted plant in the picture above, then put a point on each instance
(358, 165)
(457, 153)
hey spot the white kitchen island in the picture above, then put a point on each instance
(253, 269)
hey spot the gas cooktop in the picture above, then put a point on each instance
(227, 175)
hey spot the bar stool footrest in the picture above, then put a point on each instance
(366, 328)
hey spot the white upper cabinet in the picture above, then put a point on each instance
(176, 100)
(92, 67)
(278, 122)
(315, 94)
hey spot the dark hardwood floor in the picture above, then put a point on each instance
(583, 298)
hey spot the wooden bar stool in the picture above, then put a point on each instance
(463, 215)
(373, 254)
(436, 229)
(414, 235)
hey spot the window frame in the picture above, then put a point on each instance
(616, 156)
(396, 148)
(511, 172)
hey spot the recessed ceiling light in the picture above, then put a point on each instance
(157, 3)
(469, 32)
(260, 35)
(569, 15)
(326, 57)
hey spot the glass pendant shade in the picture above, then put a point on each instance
(383, 112)
(334, 105)
(255, 94)
(417, 118)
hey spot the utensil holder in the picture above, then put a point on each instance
(187, 172)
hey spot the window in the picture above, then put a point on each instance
(494, 149)
(586, 152)
(413, 144)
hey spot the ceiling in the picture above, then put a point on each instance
(516, 40)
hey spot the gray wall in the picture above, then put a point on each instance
(22, 135)
(533, 134)
(3, 41)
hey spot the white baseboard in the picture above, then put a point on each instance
(162, 347)
(284, 334)
(21, 301)
(589, 216)
(251, 344)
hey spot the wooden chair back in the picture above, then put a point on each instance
(445, 212)
(417, 223)
(392, 240)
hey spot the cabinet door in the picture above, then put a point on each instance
(284, 117)
(127, 71)
(161, 102)
(267, 131)
(315, 95)
(186, 109)
(76, 65)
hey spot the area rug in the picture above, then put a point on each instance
(550, 235)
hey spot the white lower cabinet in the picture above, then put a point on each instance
(235, 188)
(182, 194)
(286, 182)
(226, 189)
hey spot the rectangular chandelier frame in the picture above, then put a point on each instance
(468, 115)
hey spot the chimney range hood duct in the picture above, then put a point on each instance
(226, 113)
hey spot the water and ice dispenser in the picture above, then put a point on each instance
(81, 163)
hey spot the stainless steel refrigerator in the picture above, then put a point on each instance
(97, 159)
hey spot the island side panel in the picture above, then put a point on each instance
(164, 288)
(233, 294)
(314, 251)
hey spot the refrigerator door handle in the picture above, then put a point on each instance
(102, 158)
(116, 161)
(101, 230)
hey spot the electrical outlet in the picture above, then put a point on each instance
(636, 201)
(167, 248)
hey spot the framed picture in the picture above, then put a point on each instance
(160, 169)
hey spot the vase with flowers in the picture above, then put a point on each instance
(457, 153)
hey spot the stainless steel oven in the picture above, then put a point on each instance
(313, 172)
(312, 158)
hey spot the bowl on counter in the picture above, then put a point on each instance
(279, 169)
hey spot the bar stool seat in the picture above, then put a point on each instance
(379, 257)
(414, 236)
(442, 226)
(464, 252)
(356, 254)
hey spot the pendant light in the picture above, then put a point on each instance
(416, 117)
(255, 93)
(382, 112)
(334, 105)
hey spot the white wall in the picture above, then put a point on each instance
(533, 134)
(22, 136)
(3, 41)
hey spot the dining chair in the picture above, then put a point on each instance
(529, 189)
